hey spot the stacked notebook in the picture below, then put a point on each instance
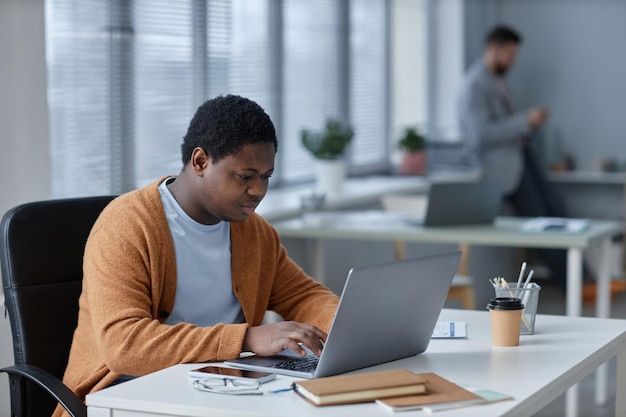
(396, 390)
(350, 389)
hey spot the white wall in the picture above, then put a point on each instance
(409, 77)
(449, 57)
(24, 161)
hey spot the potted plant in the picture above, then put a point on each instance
(330, 143)
(328, 148)
(413, 145)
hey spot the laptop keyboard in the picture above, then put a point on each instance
(306, 364)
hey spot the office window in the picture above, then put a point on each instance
(368, 83)
(126, 78)
(184, 53)
(311, 39)
(79, 96)
(162, 95)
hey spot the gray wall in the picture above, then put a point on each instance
(572, 60)
(24, 160)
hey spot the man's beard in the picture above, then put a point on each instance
(501, 70)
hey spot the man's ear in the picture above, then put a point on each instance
(199, 160)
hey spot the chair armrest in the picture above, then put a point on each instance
(64, 396)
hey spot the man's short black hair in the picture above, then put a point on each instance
(224, 124)
(502, 34)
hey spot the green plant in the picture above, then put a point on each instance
(331, 143)
(411, 141)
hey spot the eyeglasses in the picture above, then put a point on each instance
(228, 386)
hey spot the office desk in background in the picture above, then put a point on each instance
(562, 352)
(606, 190)
(505, 231)
(284, 202)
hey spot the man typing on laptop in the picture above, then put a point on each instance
(387, 312)
(183, 270)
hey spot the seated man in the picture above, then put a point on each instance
(183, 270)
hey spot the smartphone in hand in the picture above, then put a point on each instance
(232, 373)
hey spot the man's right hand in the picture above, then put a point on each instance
(270, 339)
(537, 116)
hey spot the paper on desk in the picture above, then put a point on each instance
(554, 224)
(449, 330)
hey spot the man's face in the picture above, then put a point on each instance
(502, 57)
(231, 189)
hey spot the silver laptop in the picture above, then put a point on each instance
(386, 312)
(453, 203)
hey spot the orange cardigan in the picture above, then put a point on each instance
(129, 285)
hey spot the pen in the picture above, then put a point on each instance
(530, 275)
(521, 275)
(276, 391)
(527, 293)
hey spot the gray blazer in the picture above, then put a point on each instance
(492, 133)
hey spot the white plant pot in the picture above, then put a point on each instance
(330, 175)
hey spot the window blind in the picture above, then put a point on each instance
(126, 78)
(163, 90)
(310, 39)
(368, 82)
(79, 95)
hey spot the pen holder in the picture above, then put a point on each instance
(530, 299)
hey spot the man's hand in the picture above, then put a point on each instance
(537, 117)
(270, 339)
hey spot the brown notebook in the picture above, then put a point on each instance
(348, 389)
(440, 391)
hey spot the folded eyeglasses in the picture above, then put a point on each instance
(228, 386)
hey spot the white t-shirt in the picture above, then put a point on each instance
(204, 294)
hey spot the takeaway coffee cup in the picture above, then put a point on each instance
(505, 314)
(529, 294)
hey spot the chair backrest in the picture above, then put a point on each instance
(41, 256)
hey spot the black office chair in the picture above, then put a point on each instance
(41, 256)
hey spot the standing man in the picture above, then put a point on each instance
(183, 270)
(499, 137)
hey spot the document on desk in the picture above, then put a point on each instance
(449, 330)
(554, 224)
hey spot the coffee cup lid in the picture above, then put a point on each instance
(505, 303)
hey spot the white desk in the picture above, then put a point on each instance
(561, 352)
(383, 226)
